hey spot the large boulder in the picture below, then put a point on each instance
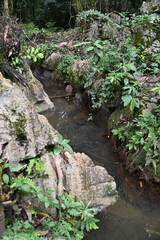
(35, 92)
(52, 61)
(89, 182)
(32, 88)
(23, 133)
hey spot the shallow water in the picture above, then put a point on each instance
(138, 209)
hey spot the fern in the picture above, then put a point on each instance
(35, 165)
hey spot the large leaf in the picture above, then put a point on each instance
(5, 178)
(14, 168)
(40, 55)
(132, 104)
(60, 138)
(57, 150)
(89, 49)
(81, 44)
(68, 147)
(65, 141)
(126, 99)
(131, 66)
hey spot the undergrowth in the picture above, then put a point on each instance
(73, 217)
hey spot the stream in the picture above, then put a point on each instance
(137, 213)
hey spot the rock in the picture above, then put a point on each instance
(152, 6)
(154, 48)
(148, 98)
(47, 182)
(52, 61)
(25, 133)
(78, 72)
(88, 182)
(36, 94)
(78, 98)
(81, 67)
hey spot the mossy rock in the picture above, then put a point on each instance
(73, 78)
(115, 117)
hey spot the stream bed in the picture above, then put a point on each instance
(137, 213)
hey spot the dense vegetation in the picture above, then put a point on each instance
(73, 217)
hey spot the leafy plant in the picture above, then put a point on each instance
(76, 217)
(64, 66)
(6, 165)
(21, 231)
(63, 144)
(156, 89)
(33, 53)
(143, 133)
(88, 16)
(35, 165)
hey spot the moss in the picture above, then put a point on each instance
(73, 78)
(81, 5)
(2, 58)
(115, 117)
(19, 126)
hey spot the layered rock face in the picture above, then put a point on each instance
(24, 134)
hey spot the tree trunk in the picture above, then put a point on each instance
(6, 8)
(83, 5)
(11, 7)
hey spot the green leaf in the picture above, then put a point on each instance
(68, 147)
(6, 165)
(57, 150)
(81, 44)
(26, 188)
(15, 168)
(98, 45)
(5, 178)
(131, 66)
(47, 204)
(60, 138)
(40, 196)
(30, 166)
(126, 99)
(65, 141)
(115, 131)
(132, 104)
(89, 49)
(40, 55)
(49, 191)
(35, 59)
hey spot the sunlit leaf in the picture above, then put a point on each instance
(68, 147)
(60, 138)
(5, 178)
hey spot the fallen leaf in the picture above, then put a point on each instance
(141, 184)
(42, 233)
(26, 206)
